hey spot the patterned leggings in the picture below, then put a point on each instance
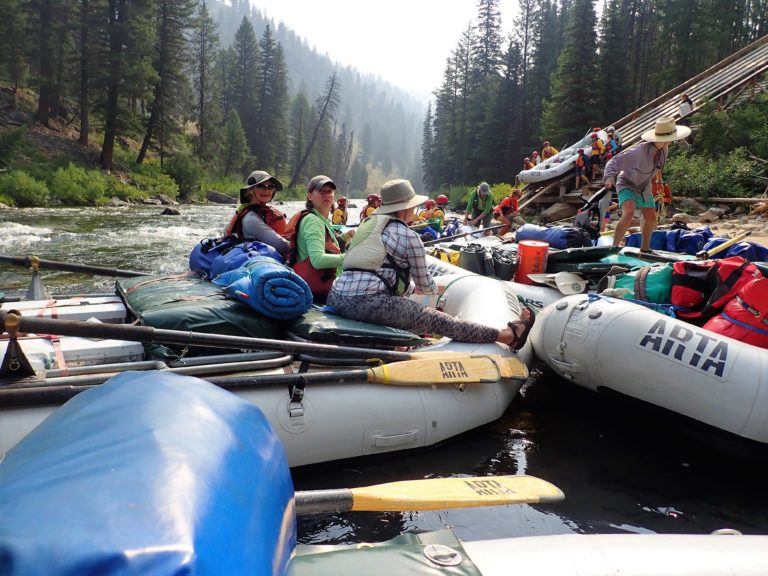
(399, 312)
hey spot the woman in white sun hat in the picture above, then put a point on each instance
(386, 261)
(631, 173)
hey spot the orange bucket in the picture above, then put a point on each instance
(531, 259)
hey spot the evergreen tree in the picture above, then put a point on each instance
(14, 46)
(358, 176)
(204, 44)
(224, 79)
(427, 151)
(488, 44)
(613, 98)
(572, 107)
(169, 63)
(298, 130)
(245, 78)
(234, 150)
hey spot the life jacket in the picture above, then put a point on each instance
(367, 253)
(271, 217)
(319, 280)
(366, 211)
(426, 214)
(598, 147)
(702, 289)
(745, 318)
(339, 216)
(528, 165)
(661, 189)
(580, 161)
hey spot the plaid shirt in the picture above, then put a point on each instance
(405, 246)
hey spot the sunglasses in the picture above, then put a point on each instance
(266, 186)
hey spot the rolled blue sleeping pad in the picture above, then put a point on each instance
(148, 474)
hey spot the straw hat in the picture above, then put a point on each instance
(666, 131)
(398, 195)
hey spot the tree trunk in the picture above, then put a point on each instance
(42, 114)
(116, 11)
(84, 52)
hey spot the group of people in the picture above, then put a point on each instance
(481, 210)
(369, 273)
(547, 151)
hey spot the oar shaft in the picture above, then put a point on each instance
(148, 335)
(706, 254)
(28, 261)
(438, 240)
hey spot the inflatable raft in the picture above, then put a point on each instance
(614, 345)
(561, 164)
(158, 475)
(320, 421)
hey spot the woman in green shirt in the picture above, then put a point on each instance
(480, 207)
(315, 252)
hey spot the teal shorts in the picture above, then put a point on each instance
(640, 202)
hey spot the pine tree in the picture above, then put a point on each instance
(613, 98)
(204, 44)
(245, 78)
(427, 150)
(234, 150)
(14, 46)
(571, 109)
(169, 64)
(488, 43)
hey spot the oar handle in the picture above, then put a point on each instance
(707, 254)
(148, 335)
(438, 240)
(34, 261)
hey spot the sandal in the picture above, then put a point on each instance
(521, 338)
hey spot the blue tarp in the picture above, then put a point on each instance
(683, 241)
(270, 288)
(148, 474)
(748, 250)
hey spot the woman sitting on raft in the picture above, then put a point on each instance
(383, 258)
(315, 253)
(255, 220)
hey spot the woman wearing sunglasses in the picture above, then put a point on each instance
(255, 219)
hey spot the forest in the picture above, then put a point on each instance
(183, 96)
(564, 70)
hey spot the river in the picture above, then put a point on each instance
(622, 468)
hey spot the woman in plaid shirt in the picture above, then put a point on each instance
(386, 262)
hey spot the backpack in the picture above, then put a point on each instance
(203, 254)
(647, 283)
(702, 289)
(745, 318)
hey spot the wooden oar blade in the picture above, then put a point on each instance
(431, 494)
(447, 370)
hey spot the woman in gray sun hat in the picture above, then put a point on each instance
(631, 172)
(386, 262)
(255, 219)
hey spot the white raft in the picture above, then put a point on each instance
(347, 419)
(561, 163)
(603, 343)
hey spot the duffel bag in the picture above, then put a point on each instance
(559, 237)
(745, 318)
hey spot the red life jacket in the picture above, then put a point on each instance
(745, 318)
(702, 289)
(319, 280)
(272, 217)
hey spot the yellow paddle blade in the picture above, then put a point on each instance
(449, 370)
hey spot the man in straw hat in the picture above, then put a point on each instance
(383, 265)
(631, 173)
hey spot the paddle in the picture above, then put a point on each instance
(437, 240)
(707, 254)
(430, 494)
(13, 322)
(36, 263)
(422, 372)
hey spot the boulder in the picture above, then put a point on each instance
(115, 202)
(217, 197)
(558, 211)
(170, 212)
(707, 217)
(681, 217)
(151, 201)
(692, 206)
(165, 200)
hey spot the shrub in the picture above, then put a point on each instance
(732, 175)
(187, 173)
(75, 186)
(20, 189)
(149, 184)
(122, 190)
(11, 140)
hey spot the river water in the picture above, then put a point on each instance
(622, 467)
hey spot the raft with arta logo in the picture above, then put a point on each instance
(614, 345)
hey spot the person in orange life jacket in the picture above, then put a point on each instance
(480, 207)
(527, 164)
(340, 213)
(535, 158)
(508, 211)
(255, 219)
(661, 191)
(548, 151)
(315, 253)
(596, 153)
(387, 262)
(631, 173)
(582, 168)
(374, 201)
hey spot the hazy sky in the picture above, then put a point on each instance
(406, 42)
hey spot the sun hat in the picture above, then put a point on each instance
(484, 188)
(665, 130)
(567, 282)
(398, 195)
(254, 179)
(319, 181)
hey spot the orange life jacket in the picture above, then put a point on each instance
(271, 217)
(580, 161)
(319, 280)
(528, 165)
